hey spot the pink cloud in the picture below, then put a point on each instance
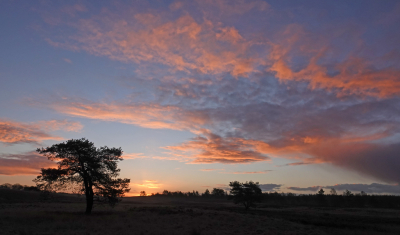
(211, 148)
(211, 169)
(247, 172)
(149, 184)
(353, 75)
(153, 116)
(130, 156)
(16, 132)
(183, 44)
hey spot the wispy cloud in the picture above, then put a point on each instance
(211, 148)
(12, 132)
(247, 172)
(130, 156)
(67, 60)
(153, 116)
(249, 93)
(312, 188)
(28, 163)
(184, 44)
(149, 184)
(211, 169)
(353, 75)
(270, 187)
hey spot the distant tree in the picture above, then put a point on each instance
(17, 187)
(6, 186)
(31, 188)
(143, 193)
(206, 193)
(333, 191)
(246, 193)
(362, 193)
(82, 166)
(347, 193)
(166, 193)
(218, 192)
(321, 192)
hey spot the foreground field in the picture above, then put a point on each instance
(150, 215)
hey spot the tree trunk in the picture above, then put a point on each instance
(89, 196)
(89, 201)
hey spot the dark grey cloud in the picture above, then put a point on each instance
(270, 187)
(355, 188)
(368, 188)
(312, 188)
(28, 163)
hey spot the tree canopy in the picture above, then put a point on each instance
(245, 193)
(82, 166)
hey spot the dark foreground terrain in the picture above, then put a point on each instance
(26, 213)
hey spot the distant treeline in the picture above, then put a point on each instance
(216, 192)
(19, 187)
(275, 199)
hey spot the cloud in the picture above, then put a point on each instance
(12, 132)
(377, 160)
(353, 75)
(247, 172)
(28, 163)
(130, 156)
(368, 188)
(67, 60)
(183, 44)
(270, 187)
(232, 7)
(312, 94)
(212, 169)
(212, 148)
(356, 188)
(149, 184)
(312, 188)
(148, 115)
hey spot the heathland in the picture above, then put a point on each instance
(27, 212)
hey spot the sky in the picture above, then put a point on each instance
(295, 95)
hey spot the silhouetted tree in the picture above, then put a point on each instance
(206, 193)
(143, 193)
(347, 193)
(218, 192)
(362, 193)
(81, 165)
(246, 193)
(17, 187)
(321, 192)
(166, 193)
(333, 192)
(6, 186)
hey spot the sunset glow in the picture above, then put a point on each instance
(295, 95)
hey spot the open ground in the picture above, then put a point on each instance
(26, 213)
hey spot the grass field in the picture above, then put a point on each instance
(25, 213)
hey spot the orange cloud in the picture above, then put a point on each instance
(153, 116)
(353, 75)
(183, 44)
(130, 156)
(211, 169)
(23, 164)
(15, 132)
(247, 172)
(149, 184)
(211, 148)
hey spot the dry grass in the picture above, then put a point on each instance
(149, 215)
